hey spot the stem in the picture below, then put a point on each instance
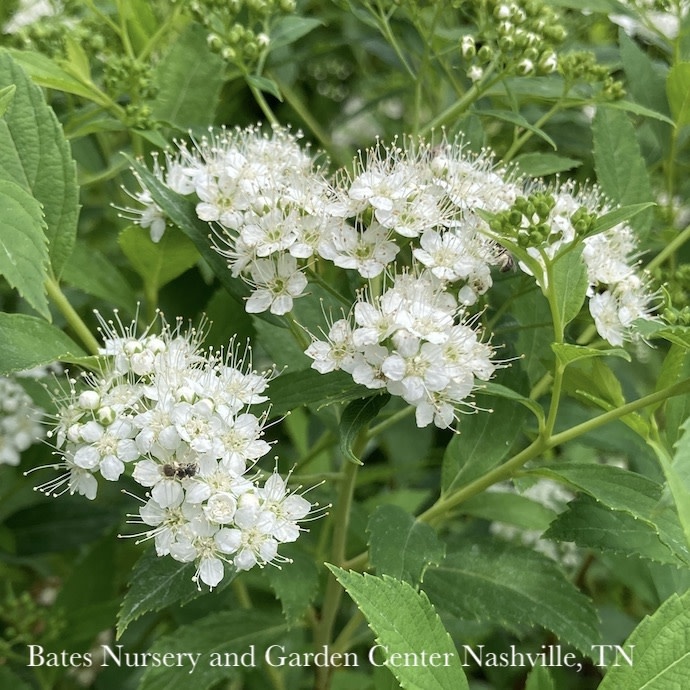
(242, 594)
(73, 319)
(328, 288)
(334, 592)
(678, 241)
(263, 104)
(327, 440)
(445, 504)
(520, 141)
(295, 102)
(390, 421)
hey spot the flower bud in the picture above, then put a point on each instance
(468, 48)
(89, 400)
(106, 415)
(525, 67)
(475, 73)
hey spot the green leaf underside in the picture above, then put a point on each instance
(678, 92)
(355, 419)
(405, 622)
(6, 96)
(512, 586)
(570, 284)
(621, 169)
(27, 341)
(593, 526)
(218, 634)
(156, 582)
(296, 583)
(660, 649)
(541, 164)
(158, 263)
(23, 245)
(309, 387)
(36, 156)
(400, 546)
(190, 77)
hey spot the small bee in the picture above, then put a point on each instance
(505, 261)
(180, 471)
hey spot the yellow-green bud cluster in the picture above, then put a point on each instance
(582, 66)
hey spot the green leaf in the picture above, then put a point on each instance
(678, 92)
(400, 546)
(288, 29)
(541, 164)
(296, 583)
(36, 156)
(531, 310)
(499, 391)
(289, 391)
(566, 353)
(264, 84)
(650, 330)
(156, 582)
(513, 509)
(157, 262)
(484, 440)
(44, 72)
(659, 648)
(404, 622)
(240, 632)
(569, 273)
(90, 271)
(677, 473)
(621, 169)
(189, 78)
(592, 525)
(618, 216)
(539, 678)
(519, 121)
(8, 679)
(512, 586)
(27, 341)
(635, 109)
(355, 419)
(615, 487)
(6, 96)
(23, 245)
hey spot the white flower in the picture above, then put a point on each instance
(337, 352)
(277, 284)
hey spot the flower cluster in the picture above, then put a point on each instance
(412, 216)
(20, 421)
(179, 418)
(413, 341)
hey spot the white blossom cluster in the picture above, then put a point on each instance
(618, 294)
(413, 213)
(415, 342)
(180, 419)
(20, 421)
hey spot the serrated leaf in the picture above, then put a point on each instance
(618, 216)
(400, 546)
(36, 156)
(156, 582)
(591, 525)
(615, 487)
(157, 262)
(512, 586)
(539, 678)
(570, 283)
(229, 632)
(678, 92)
(288, 29)
(659, 648)
(23, 245)
(189, 78)
(405, 622)
(90, 271)
(6, 96)
(484, 440)
(636, 109)
(309, 387)
(679, 335)
(296, 583)
(27, 341)
(621, 169)
(355, 419)
(566, 353)
(541, 164)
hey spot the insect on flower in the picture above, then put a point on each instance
(180, 471)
